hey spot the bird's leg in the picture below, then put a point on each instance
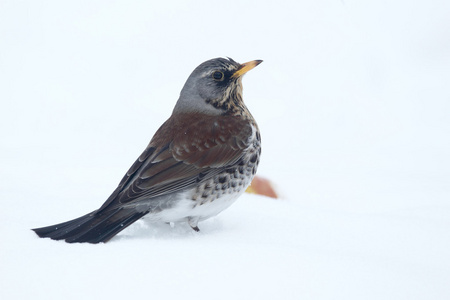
(193, 223)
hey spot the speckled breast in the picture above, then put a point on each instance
(233, 181)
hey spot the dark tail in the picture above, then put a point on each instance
(95, 227)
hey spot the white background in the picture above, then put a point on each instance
(353, 103)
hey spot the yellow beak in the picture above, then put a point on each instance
(244, 68)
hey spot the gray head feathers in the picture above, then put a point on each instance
(209, 84)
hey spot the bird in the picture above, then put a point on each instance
(196, 165)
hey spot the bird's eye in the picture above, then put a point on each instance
(218, 76)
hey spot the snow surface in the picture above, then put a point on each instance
(353, 102)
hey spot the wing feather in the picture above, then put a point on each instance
(183, 153)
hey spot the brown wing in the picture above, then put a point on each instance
(185, 151)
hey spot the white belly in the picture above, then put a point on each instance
(186, 209)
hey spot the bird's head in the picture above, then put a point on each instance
(214, 87)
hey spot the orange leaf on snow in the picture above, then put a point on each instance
(262, 186)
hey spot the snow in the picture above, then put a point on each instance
(353, 104)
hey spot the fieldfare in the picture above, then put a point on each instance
(195, 166)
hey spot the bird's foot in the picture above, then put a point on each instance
(193, 223)
(195, 228)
